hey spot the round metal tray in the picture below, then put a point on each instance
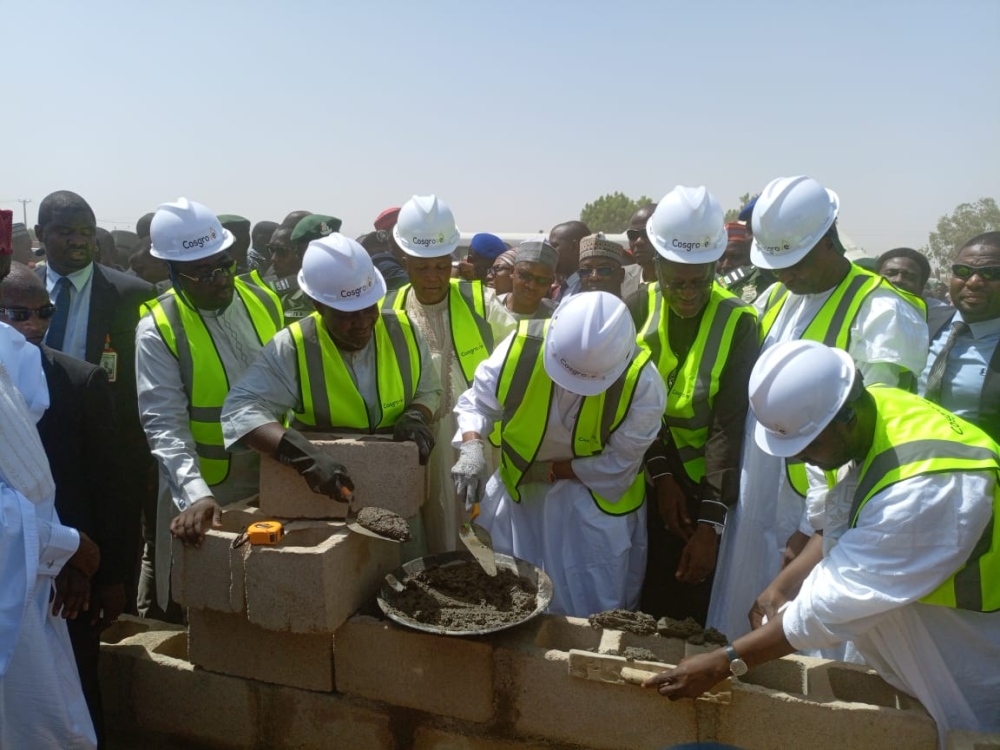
(535, 575)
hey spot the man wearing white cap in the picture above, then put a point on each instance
(907, 567)
(578, 403)
(461, 322)
(703, 341)
(348, 367)
(820, 296)
(192, 343)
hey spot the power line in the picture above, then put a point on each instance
(24, 209)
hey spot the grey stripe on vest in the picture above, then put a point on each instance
(215, 452)
(689, 453)
(314, 368)
(651, 335)
(205, 413)
(390, 298)
(908, 453)
(395, 330)
(467, 290)
(969, 580)
(611, 398)
(840, 314)
(250, 284)
(169, 304)
(519, 385)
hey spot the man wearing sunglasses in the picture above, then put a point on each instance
(703, 341)
(192, 343)
(601, 267)
(963, 367)
(534, 272)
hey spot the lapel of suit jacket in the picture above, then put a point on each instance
(103, 302)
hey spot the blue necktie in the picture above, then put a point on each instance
(56, 336)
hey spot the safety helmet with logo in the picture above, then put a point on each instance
(426, 228)
(590, 342)
(790, 217)
(796, 389)
(338, 272)
(184, 230)
(688, 226)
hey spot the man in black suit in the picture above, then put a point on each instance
(97, 309)
(80, 435)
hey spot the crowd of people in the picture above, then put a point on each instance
(725, 421)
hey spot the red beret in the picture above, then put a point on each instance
(387, 219)
(738, 232)
(6, 232)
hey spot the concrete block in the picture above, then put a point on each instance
(428, 738)
(787, 675)
(304, 720)
(175, 698)
(316, 577)
(228, 644)
(385, 474)
(853, 683)
(211, 576)
(442, 675)
(761, 719)
(961, 739)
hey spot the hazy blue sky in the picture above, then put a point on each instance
(516, 113)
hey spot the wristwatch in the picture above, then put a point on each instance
(736, 665)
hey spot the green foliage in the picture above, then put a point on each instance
(733, 214)
(610, 213)
(965, 222)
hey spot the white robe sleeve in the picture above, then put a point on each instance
(888, 336)
(477, 408)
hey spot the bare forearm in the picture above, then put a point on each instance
(265, 438)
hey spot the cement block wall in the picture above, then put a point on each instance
(396, 689)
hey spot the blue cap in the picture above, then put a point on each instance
(487, 245)
(747, 211)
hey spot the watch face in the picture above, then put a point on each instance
(738, 667)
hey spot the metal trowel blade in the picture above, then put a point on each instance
(479, 542)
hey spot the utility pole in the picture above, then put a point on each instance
(24, 209)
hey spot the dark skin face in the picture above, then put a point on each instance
(350, 331)
(475, 267)
(430, 278)
(499, 278)
(611, 283)
(737, 255)
(638, 241)
(822, 269)
(34, 328)
(241, 244)
(529, 291)
(841, 442)
(207, 295)
(685, 287)
(147, 267)
(568, 247)
(262, 235)
(284, 253)
(70, 240)
(904, 273)
(107, 253)
(976, 298)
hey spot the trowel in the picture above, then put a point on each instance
(479, 542)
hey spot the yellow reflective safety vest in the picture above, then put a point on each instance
(329, 397)
(915, 437)
(524, 390)
(691, 397)
(202, 372)
(471, 334)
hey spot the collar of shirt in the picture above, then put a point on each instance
(78, 279)
(979, 330)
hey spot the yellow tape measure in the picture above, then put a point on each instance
(262, 532)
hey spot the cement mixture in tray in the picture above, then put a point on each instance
(385, 523)
(462, 597)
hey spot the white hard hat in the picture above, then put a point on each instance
(796, 389)
(426, 228)
(337, 272)
(688, 226)
(791, 216)
(590, 342)
(185, 230)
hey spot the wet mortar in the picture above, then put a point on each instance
(384, 523)
(624, 619)
(463, 597)
(636, 653)
(689, 630)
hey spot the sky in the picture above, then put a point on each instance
(516, 113)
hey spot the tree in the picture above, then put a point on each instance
(965, 222)
(610, 213)
(733, 214)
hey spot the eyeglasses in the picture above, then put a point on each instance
(500, 268)
(21, 314)
(221, 272)
(602, 272)
(635, 234)
(986, 273)
(282, 249)
(683, 286)
(540, 280)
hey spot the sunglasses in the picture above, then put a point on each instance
(602, 272)
(635, 234)
(221, 272)
(986, 273)
(540, 280)
(21, 314)
(682, 286)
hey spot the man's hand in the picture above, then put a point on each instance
(107, 604)
(87, 558)
(469, 473)
(769, 602)
(793, 548)
(190, 526)
(699, 556)
(673, 507)
(323, 475)
(692, 677)
(412, 425)
(72, 595)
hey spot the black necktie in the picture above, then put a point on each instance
(56, 335)
(936, 378)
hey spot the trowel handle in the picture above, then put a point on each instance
(636, 676)
(475, 512)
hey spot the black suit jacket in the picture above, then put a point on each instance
(83, 444)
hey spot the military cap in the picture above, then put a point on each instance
(314, 226)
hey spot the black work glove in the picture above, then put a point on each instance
(323, 475)
(411, 425)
